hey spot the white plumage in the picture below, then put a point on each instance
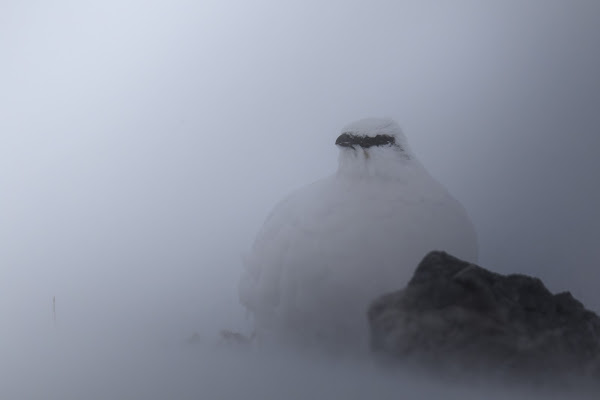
(330, 248)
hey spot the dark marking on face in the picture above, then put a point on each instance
(348, 139)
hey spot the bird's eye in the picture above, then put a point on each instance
(378, 140)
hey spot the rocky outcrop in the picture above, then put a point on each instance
(457, 316)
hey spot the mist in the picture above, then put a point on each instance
(142, 145)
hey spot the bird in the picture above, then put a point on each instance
(330, 248)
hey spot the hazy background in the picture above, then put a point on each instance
(142, 143)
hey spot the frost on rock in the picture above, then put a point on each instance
(331, 247)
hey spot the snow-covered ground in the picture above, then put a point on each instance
(67, 368)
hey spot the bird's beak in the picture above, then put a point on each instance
(344, 140)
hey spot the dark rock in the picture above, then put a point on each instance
(454, 315)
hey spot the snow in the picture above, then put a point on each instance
(68, 370)
(330, 248)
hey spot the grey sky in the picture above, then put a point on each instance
(143, 143)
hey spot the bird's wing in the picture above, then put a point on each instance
(291, 233)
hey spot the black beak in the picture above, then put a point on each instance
(345, 140)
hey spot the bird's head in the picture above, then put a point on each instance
(373, 133)
(373, 147)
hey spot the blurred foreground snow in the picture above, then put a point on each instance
(66, 368)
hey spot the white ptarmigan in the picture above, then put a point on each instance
(330, 248)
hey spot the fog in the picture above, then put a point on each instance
(142, 145)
